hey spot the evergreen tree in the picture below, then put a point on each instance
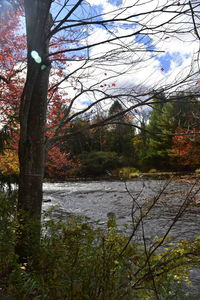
(119, 136)
(166, 115)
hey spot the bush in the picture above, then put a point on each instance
(77, 261)
(8, 227)
(134, 175)
(153, 171)
(98, 163)
(128, 172)
(73, 173)
(8, 181)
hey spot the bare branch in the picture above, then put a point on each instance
(193, 20)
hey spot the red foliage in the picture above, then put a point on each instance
(12, 78)
(186, 146)
(12, 56)
(58, 162)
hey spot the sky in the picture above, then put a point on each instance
(178, 49)
(143, 62)
(147, 62)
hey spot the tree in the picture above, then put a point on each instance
(186, 147)
(140, 141)
(162, 122)
(165, 117)
(120, 133)
(12, 47)
(57, 29)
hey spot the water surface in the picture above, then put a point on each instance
(95, 199)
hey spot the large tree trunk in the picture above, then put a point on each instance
(32, 125)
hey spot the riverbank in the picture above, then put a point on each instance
(94, 200)
(75, 260)
(132, 176)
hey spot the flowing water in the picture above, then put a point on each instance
(95, 199)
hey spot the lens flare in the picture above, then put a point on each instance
(36, 57)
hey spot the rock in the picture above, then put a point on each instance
(45, 200)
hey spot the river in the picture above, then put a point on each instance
(95, 199)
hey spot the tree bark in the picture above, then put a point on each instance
(32, 125)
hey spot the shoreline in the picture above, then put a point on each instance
(159, 175)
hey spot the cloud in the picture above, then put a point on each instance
(155, 58)
(176, 39)
(5, 9)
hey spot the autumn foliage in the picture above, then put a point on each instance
(9, 162)
(186, 144)
(12, 78)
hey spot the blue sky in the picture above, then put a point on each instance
(132, 67)
(168, 58)
(115, 2)
(156, 66)
(149, 68)
(145, 40)
(165, 59)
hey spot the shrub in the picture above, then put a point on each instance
(98, 163)
(73, 172)
(8, 226)
(127, 171)
(134, 175)
(78, 261)
(153, 171)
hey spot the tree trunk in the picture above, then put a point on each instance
(32, 125)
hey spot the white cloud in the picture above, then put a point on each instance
(125, 61)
